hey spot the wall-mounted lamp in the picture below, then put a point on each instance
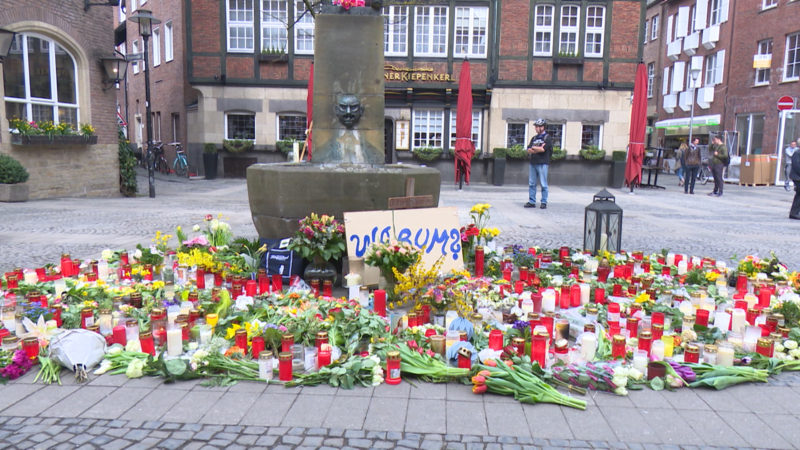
(115, 67)
(87, 5)
(6, 39)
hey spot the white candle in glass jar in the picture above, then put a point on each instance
(174, 341)
(102, 269)
(657, 350)
(682, 267)
(725, 356)
(30, 277)
(205, 334)
(751, 300)
(738, 320)
(640, 361)
(670, 259)
(549, 300)
(722, 320)
(585, 289)
(588, 346)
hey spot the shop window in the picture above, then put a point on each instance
(240, 125)
(428, 128)
(475, 134)
(40, 81)
(751, 133)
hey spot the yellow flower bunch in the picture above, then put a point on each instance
(712, 276)
(161, 240)
(480, 208)
(199, 258)
(414, 282)
(643, 297)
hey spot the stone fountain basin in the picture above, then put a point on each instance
(281, 194)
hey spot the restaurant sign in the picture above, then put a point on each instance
(395, 73)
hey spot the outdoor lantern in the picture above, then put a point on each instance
(145, 20)
(115, 67)
(6, 39)
(602, 224)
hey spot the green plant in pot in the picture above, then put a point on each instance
(12, 180)
(592, 153)
(516, 152)
(237, 145)
(210, 160)
(558, 154)
(427, 154)
(320, 240)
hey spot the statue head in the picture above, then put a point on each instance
(348, 109)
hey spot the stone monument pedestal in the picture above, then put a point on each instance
(282, 194)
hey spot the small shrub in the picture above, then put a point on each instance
(427, 153)
(618, 155)
(592, 153)
(11, 171)
(237, 145)
(516, 152)
(127, 166)
(499, 153)
(209, 148)
(475, 155)
(558, 154)
(285, 146)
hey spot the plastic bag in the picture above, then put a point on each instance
(78, 350)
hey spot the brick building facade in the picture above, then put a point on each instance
(246, 72)
(747, 55)
(63, 83)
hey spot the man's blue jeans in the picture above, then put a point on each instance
(537, 175)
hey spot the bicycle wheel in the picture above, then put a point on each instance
(163, 166)
(180, 167)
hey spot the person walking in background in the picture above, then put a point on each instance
(691, 160)
(787, 161)
(540, 150)
(679, 162)
(794, 213)
(718, 158)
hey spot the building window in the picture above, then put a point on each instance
(646, 23)
(590, 136)
(651, 76)
(292, 126)
(568, 40)
(764, 54)
(714, 65)
(515, 134)
(40, 81)
(169, 49)
(767, 4)
(654, 28)
(428, 128)
(395, 30)
(556, 132)
(475, 134)
(717, 11)
(274, 15)
(303, 30)
(156, 47)
(430, 31)
(595, 16)
(135, 50)
(240, 26)
(240, 126)
(543, 31)
(470, 32)
(791, 70)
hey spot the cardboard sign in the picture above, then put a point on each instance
(434, 229)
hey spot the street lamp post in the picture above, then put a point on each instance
(694, 74)
(146, 20)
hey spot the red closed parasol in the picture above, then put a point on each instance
(633, 168)
(464, 148)
(309, 108)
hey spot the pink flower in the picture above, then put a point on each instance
(199, 240)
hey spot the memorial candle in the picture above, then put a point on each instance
(548, 300)
(174, 341)
(576, 295)
(120, 334)
(393, 367)
(277, 283)
(479, 261)
(379, 302)
(539, 347)
(285, 366)
(250, 287)
(585, 289)
(257, 347)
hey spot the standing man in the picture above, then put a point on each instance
(540, 150)
(794, 213)
(787, 162)
(718, 158)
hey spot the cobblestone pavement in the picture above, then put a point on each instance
(114, 412)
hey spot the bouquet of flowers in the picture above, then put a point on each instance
(391, 254)
(319, 236)
(477, 232)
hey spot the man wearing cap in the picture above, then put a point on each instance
(540, 150)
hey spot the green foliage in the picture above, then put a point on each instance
(321, 236)
(48, 128)
(791, 313)
(516, 152)
(127, 166)
(285, 145)
(209, 148)
(237, 145)
(558, 154)
(592, 153)
(11, 171)
(499, 153)
(427, 153)
(475, 155)
(618, 155)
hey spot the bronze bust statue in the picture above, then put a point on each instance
(348, 110)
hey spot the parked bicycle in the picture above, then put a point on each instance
(180, 165)
(159, 161)
(704, 173)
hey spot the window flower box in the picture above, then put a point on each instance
(568, 60)
(52, 141)
(273, 57)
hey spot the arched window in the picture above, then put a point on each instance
(40, 81)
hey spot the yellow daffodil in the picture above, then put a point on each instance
(230, 332)
(642, 297)
(712, 276)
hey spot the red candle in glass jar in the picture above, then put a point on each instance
(257, 346)
(619, 271)
(523, 274)
(277, 283)
(507, 274)
(563, 253)
(617, 290)
(563, 299)
(118, 333)
(393, 367)
(701, 317)
(574, 295)
(327, 288)
(519, 346)
(250, 288)
(645, 341)
(315, 286)
(646, 267)
(57, 309)
(218, 279)
(764, 296)
(618, 347)
(741, 282)
(496, 340)
(537, 302)
(285, 366)
(657, 330)
(321, 339)
(632, 324)
(539, 348)
(66, 265)
(31, 347)
(600, 295)
(614, 328)
(657, 317)
(479, 261)
(379, 302)
(200, 278)
(548, 321)
(236, 289)
(41, 274)
(751, 315)
(518, 286)
(426, 314)
(287, 341)
(465, 358)
(602, 273)
(692, 354)
(11, 281)
(147, 272)
(764, 346)
(147, 343)
(240, 339)
(87, 318)
(324, 356)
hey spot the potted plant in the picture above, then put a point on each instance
(237, 145)
(516, 152)
(12, 180)
(558, 154)
(210, 160)
(427, 154)
(46, 133)
(618, 162)
(499, 172)
(320, 240)
(592, 153)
